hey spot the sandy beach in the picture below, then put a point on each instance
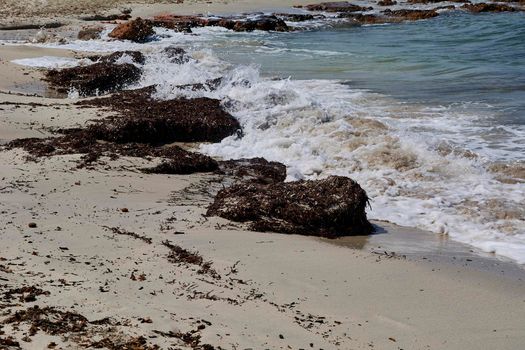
(97, 256)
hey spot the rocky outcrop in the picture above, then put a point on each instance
(177, 55)
(425, 2)
(387, 2)
(97, 78)
(338, 6)
(331, 207)
(410, 15)
(359, 18)
(186, 23)
(110, 17)
(146, 120)
(90, 33)
(484, 7)
(390, 16)
(298, 17)
(137, 30)
(254, 169)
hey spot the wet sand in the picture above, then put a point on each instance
(64, 231)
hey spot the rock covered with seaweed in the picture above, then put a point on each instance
(331, 207)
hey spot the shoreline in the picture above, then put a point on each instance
(99, 242)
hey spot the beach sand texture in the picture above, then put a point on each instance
(97, 242)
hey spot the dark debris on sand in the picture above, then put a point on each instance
(179, 255)
(331, 207)
(85, 142)
(71, 326)
(24, 294)
(137, 343)
(49, 320)
(142, 129)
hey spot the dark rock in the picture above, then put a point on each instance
(435, 1)
(296, 17)
(90, 33)
(484, 7)
(185, 23)
(146, 120)
(360, 18)
(447, 7)
(338, 6)
(26, 26)
(136, 57)
(209, 85)
(387, 2)
(112, 17)
(178, 23)
(254, 169)
(93, 79)
(137, 30)
(390, 16)
(264, 23)
(177, 55)
(410, 15)
(331, 207)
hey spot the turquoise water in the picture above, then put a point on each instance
(456, 58)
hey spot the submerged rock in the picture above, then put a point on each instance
(254, 169)
(177, 55)
(390, 16)
(90, 33)
(410, 15)
(137, 30)
(331, 207)
(484, 7)
(338, 6)
(97, 78)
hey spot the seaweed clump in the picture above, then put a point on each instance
(146, 120)
(93, 79)
(142, 129)
(331, 207)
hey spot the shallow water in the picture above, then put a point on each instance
(426, 116)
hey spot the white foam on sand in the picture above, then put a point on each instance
(50, 62)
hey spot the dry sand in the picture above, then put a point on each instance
(274, 291)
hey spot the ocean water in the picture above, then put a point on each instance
(429, 116)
